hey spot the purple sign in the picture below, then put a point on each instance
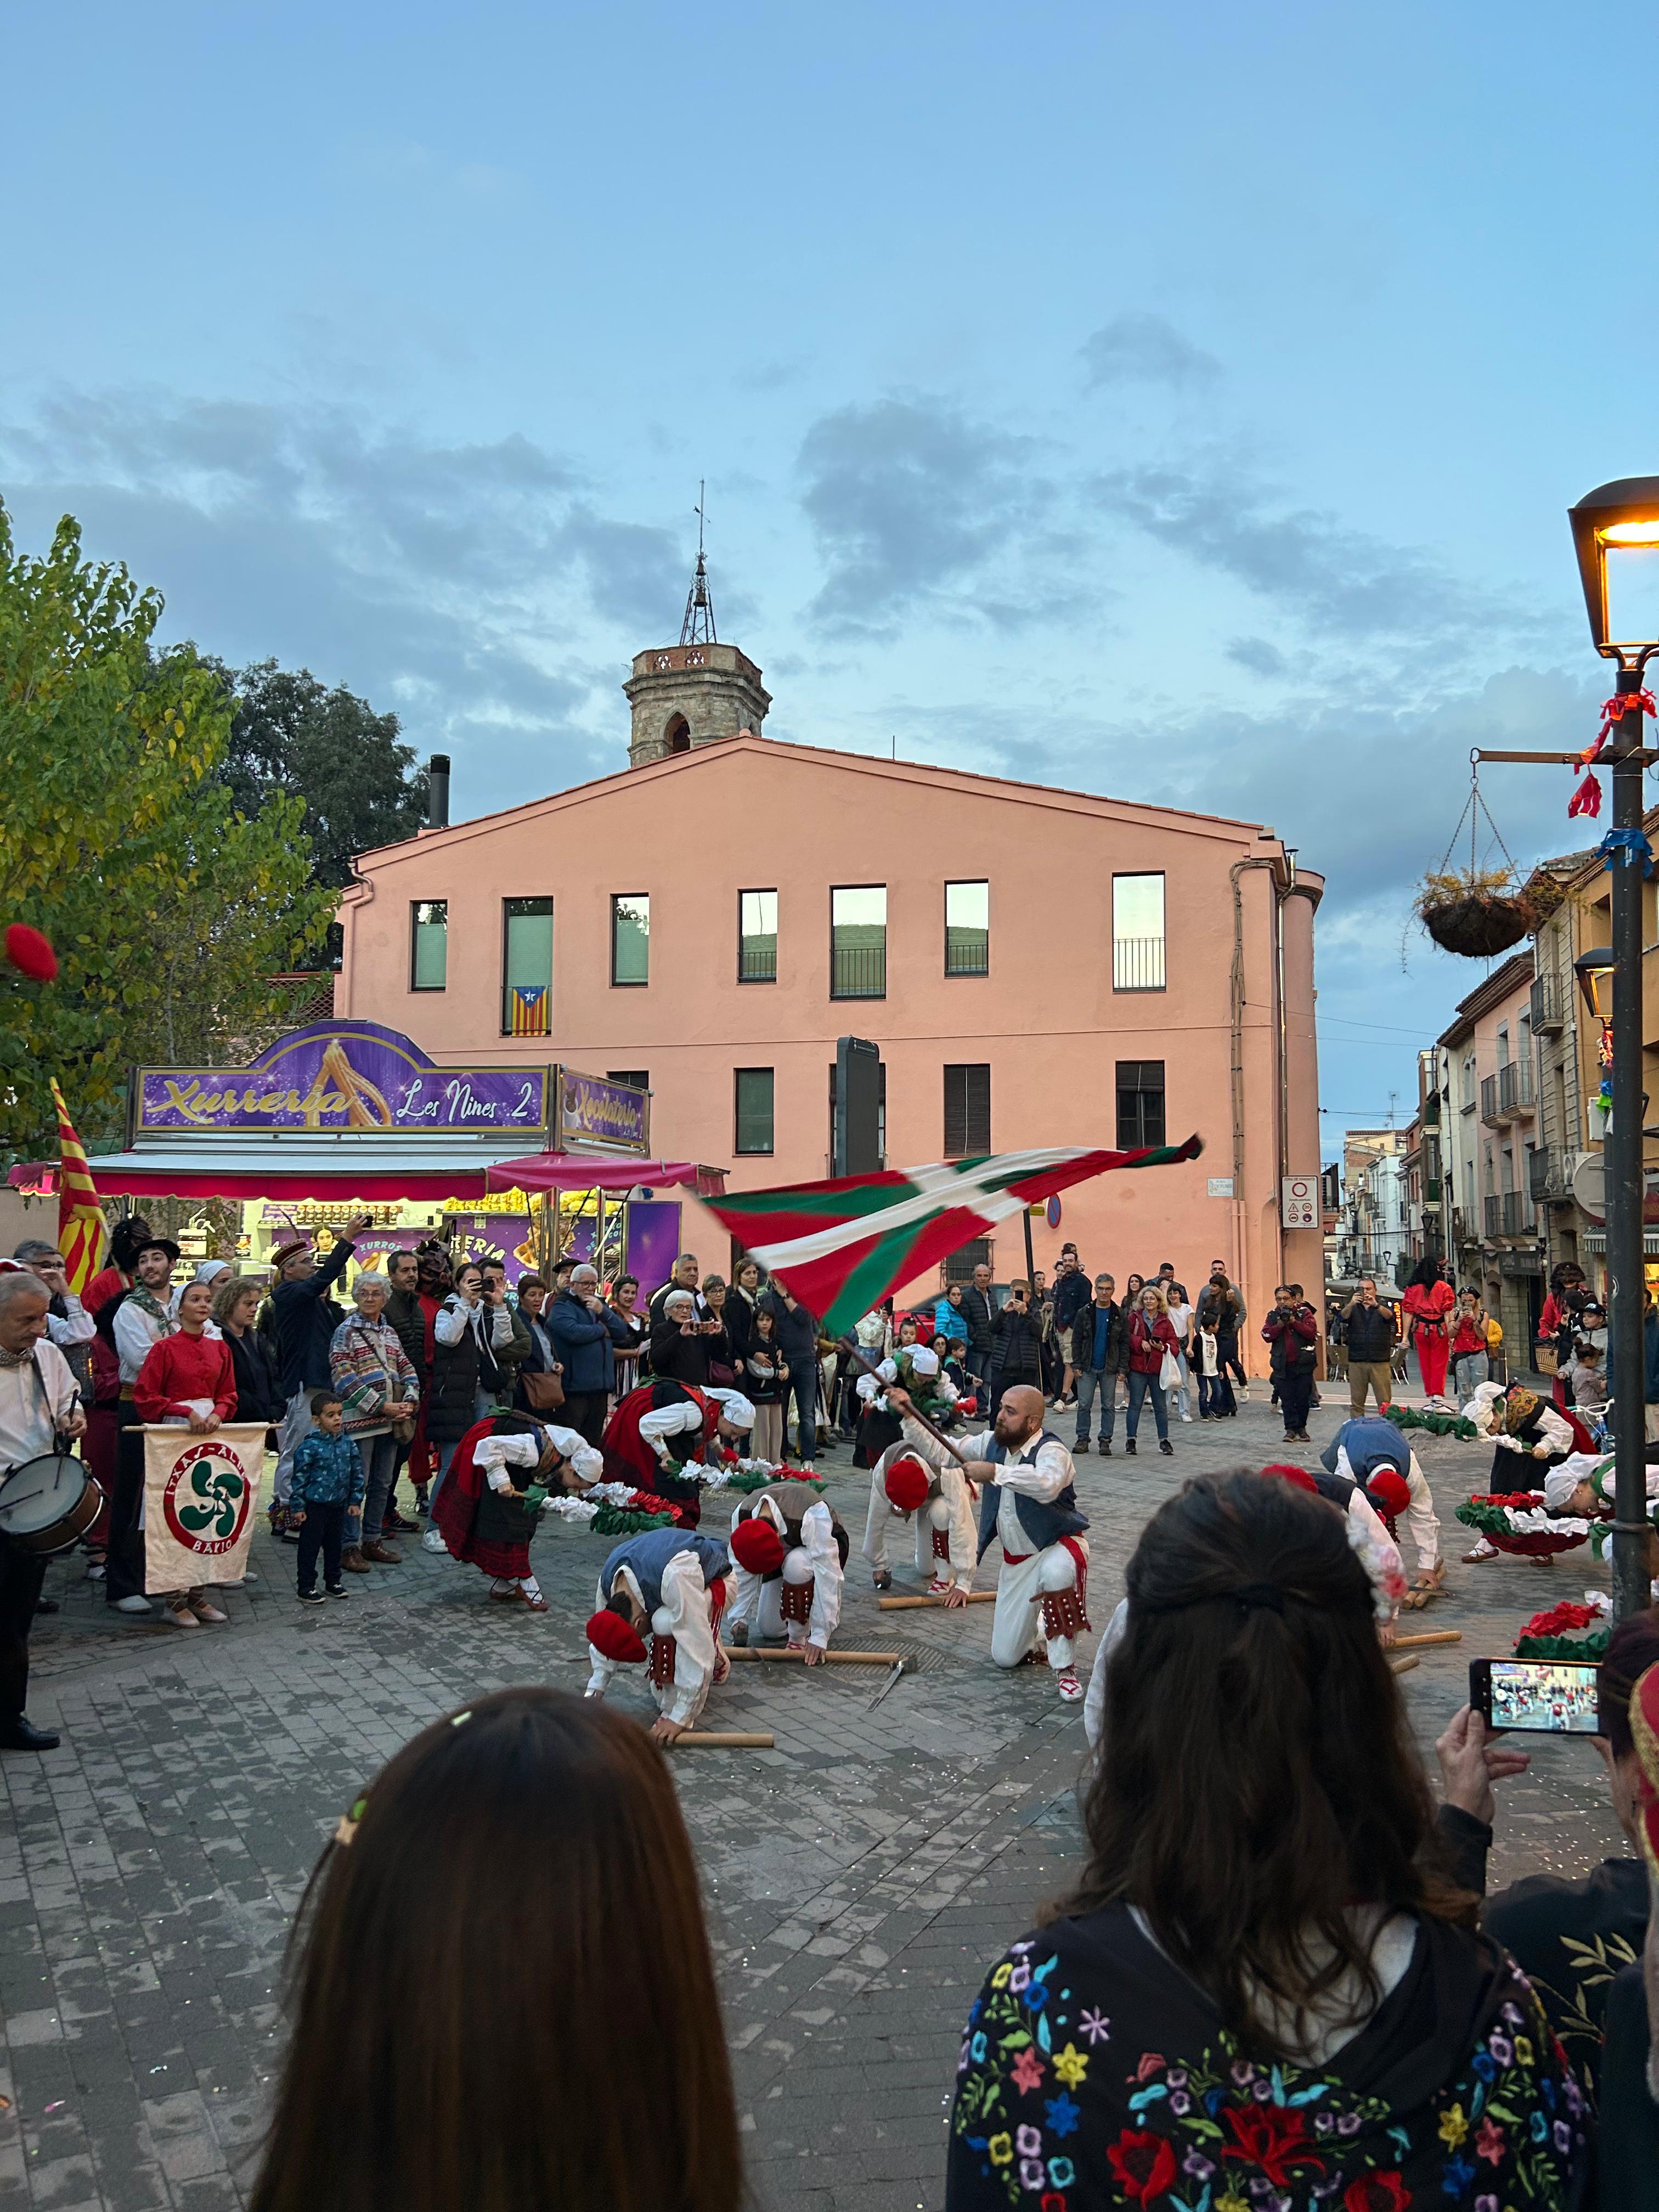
(654, 1244)
(343, 1075)
(504, 1237)
(595, 1112)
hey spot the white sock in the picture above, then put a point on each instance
(530, 1586)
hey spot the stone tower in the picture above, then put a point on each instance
(693, 693)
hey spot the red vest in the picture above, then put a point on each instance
(625, 1449)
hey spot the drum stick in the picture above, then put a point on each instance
(1404, 1666)
(906, 1604)
(1431, 1635)
(828, 1658)
(719, 1740)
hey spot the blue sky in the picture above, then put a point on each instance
(1178, 402)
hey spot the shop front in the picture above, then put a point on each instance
(523, 1164)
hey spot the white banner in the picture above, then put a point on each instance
(201, 1499)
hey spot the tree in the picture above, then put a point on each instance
(171, 910)
(330, 750)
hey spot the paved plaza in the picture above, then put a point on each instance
(858, 1877)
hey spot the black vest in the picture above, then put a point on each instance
(1043, 1524)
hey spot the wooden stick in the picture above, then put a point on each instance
(854, 1351)
(830, 1658)
(720, 1739)
(907, 1604)
(1431, 1636)
(1404, 1666)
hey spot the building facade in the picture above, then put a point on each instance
(1374, 1229)
(1038, 966)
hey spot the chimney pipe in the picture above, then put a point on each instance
(437, 792)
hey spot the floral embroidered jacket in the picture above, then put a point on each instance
(1094, 2074)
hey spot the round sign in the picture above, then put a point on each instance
(207, 1500)
(1052, 1213)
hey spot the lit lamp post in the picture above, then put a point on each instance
(1615, 534)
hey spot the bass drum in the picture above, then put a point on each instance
(48, 1504)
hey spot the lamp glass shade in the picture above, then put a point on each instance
(1594, 972)
(1615, 534)
(1632, 591)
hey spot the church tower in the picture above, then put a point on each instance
(696, 692)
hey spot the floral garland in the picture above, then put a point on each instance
(1569, 1631)
(752, 1474)
(1439, 1424)
(613, 1509)
(1517, 1521)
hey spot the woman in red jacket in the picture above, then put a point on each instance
(1149, 1336)
(188, 1378)
(1429, 1299)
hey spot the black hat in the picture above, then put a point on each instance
(156, 1244)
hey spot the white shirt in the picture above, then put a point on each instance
(1040, 1467)
(36, 1399)
(683, 1614)
(1553, 1435)
(495, 1454)
(455, 1317)
(682, 1419)
(135, 1332)
(77, 1325)
(818, 1536)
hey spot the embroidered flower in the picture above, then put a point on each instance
(1489, 2140)
(1028, 2141)
(1523, 2053)
(1037, 1997)
(1144, 2164)
(1275, 2139)
(1513, 2014)
(978, 2047)
(1377, 2192)
(1231, 2201)
(1000, 2150)
(1071, 2064)
(1031, 2174)
(1027, 2071)
(1063, 2113)
(963, 2056)
(1061, 2172)
(1198, 2166)
(1176, 2077)
(1348, 2124)
(1539, 2127)
(1500, 2046)
(1095, 2026)
(1151, 2063)
(1456, 2175)
(1562, 2134)
(1052, 2201)
(1485, 2204)
(1453, 2127)
(1486, 2065)
(1180, 2102)
(1020, 1978)
(999, 1979)
(1243, 2073)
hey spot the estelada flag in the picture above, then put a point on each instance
(842, 1246)
(80, 1223)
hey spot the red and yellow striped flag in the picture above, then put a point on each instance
(79, 1221)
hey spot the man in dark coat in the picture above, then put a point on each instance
(585, 1333)
(979, 1310)
(305, 1318)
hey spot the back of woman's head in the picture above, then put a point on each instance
(1633, 1648)
(1256, 1775)
(501, 1986)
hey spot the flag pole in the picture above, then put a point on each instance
(850, 1348)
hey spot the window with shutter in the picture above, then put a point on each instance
(967, 1109)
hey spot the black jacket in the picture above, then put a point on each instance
(305, 1318)
(258, 1385)
(798, 1335)
(1369, 1333)
(1224, 1313)
(980, 1317)
(1082, 1339)
(407, 1314)
(1070, 1294)
(1016, 1346)
(676, 1358)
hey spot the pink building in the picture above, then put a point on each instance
(1038, 966)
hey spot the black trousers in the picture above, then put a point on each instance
(323, 1530)
(584, 1411)
(124, 1573)
(1295, 1396)
(21, 1574)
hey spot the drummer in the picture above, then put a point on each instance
(37, 1408)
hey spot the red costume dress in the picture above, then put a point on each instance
(631, 1458)
(1428, 1304)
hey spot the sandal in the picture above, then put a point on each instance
(1070, 1689)
(1483, 1550)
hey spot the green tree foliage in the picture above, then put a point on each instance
(171, 908)
(331, 751)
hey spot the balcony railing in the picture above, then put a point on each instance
(1515, 1087)
(1508, 1213)
(757, 959)
(858, 971)
(1549, 1174)
(1138, 964)
(1551, 1005)
(967, 952)
(1431, 1113)
(1489, 1099)
(1462, 1228)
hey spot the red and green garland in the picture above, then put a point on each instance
(1565, 1631)
(1517, 1521)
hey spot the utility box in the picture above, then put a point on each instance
(858, 1106)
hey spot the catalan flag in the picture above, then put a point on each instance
(80, 1222)
(842, 1246)
(531, 1011)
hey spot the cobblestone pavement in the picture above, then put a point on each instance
(859, 1876)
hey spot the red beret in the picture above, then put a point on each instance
(610, 1636)
(907, 1483)
(757, 1546)
(30, 953)
(1388, 1490)
(1298, 1475)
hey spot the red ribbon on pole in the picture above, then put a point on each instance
(1625, 702)
(1587, 799)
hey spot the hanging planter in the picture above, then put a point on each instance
(1480, 912)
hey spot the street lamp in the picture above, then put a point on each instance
(1594, 969)
(1615, 534)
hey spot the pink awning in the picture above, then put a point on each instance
(603, 1171)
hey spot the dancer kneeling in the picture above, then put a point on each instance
(671, 1583)
(1030, 1507)
(919, 1475)
(484, 1519)
(788, 1549)
(1363, 1451)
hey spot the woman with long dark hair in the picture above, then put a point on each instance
(552, 2037)
(1266, 1987)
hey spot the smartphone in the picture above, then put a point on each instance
(1551, 1697)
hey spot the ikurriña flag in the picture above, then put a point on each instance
(80, 1219)
(842, 1246)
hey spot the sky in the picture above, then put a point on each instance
(1178, 402)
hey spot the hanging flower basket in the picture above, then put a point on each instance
(1477, 914)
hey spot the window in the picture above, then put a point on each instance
(1138, 933)
(858, 942)
(636, 1079)
(967, 1109)
(1502, 1044)
(757, 937)
(527, 966)
(959, 1264)
(429, 944)
(677, 738)
(1471, 1090)
(752, 1087)
(967, 929)
(1139, 1103)
(630, 938)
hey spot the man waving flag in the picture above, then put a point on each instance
(842, 1246)
(80, 1222)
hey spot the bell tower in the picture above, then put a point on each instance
(696, 692)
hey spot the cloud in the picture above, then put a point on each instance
(442, 579)
(917, 509)
(1258, 655)
(1140, 349)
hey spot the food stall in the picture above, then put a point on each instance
(526, 1163)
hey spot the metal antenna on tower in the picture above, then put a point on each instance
(698, 628)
